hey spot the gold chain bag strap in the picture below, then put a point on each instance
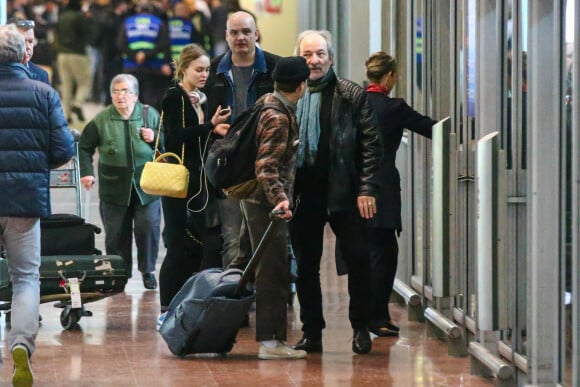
(166, 178)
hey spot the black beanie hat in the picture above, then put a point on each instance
(291, 69)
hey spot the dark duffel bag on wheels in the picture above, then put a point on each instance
(207, 312)
(64, 234)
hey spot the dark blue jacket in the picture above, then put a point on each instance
(38, 73)
(34, 137)
(219, 87)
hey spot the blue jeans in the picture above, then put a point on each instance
(120, 222)
(21, 237)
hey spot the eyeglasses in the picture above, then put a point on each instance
(121, 92)
(25, 24)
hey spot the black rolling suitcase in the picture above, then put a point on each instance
(64, 234)
(206, 314)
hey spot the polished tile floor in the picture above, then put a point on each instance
(119, 345)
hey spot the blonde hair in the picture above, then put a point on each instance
(379, 64)
(188, 54)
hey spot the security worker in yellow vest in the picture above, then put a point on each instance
(145, 47)
(187, 27)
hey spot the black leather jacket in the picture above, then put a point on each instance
(356, 148)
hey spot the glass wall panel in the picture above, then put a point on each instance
(514, 127)
(568, 180)
(420, 215)
(466, 136)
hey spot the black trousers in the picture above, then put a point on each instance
(306, 234)
(185, 255)
(384, 251)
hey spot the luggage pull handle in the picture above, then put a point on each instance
(256, 256)
(229, 272)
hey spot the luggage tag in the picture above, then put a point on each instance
(75, 293)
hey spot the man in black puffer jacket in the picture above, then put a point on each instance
(336, 182)
(34, 137)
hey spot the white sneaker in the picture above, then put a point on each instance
(22, 375)
(280, 351)
(160, 320)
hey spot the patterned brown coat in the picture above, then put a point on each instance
(277, 140)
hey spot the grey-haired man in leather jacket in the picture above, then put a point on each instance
(338, 157)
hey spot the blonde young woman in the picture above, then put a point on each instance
(192, 232)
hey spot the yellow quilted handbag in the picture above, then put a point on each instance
(164, 178)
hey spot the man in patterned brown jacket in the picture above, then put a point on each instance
(277, 139)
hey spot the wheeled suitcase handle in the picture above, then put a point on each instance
(229, 272)
(62, 276)
(253, 263)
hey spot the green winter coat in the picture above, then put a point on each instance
(122, 153)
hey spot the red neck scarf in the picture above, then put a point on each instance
(376, 88)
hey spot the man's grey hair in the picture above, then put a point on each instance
(325, 34)
(128, 78)
(12, 44)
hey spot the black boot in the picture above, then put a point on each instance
(361, 341)
(309, 345)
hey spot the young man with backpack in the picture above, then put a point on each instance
(277, 144)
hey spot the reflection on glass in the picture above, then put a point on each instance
(419, 51)
(460, 94)
(514, 109)
(567, 101)
(466, 135)
(418, 185)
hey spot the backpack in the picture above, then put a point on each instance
(231, 160)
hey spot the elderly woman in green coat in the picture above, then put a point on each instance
(125, 137)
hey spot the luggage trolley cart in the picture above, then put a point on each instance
(65, 176)
(69, 176)
(71, 279)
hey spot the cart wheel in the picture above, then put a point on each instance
(69, 318)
